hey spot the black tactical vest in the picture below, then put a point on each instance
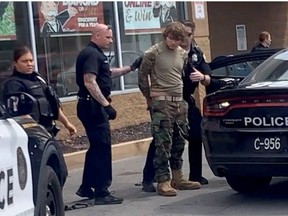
(48, 101)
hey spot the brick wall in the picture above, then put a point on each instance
(256, 16)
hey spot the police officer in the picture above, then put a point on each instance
(25, 79)
(94, 109)
(196, 70)
(200, 73)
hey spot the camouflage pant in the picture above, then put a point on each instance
(169, 129)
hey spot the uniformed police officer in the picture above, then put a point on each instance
(200, 73)
(25, 79)
(94, 109)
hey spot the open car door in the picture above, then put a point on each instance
(235, 67)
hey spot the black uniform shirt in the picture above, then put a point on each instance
(29, 84)
(92, 60)
(258, 46)
(197, 60)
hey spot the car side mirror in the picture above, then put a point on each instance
(23, 104)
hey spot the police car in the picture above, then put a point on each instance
(32, 166)
(245, 129)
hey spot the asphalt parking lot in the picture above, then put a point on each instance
(216, 198)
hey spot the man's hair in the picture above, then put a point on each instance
(189, 24)
(263, 36)
(175, 30)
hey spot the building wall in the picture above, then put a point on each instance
(257, 17)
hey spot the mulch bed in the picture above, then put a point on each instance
(130, 133)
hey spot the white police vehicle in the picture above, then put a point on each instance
(32, 166)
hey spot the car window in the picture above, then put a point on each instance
(236, 70)
(274, 68)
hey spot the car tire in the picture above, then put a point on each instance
(50, 201)
(246, 184)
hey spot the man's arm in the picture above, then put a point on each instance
(144, 74)
(124, 70)
(206, 80)
(93, 88)
(116, 72)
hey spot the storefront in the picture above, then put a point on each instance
(57, 31)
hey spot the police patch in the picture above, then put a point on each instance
(195, 57)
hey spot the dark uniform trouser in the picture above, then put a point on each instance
(194, 149)
(149, 171)
(97, 172)
(169, 127)
(195, 143)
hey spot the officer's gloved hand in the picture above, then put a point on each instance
(111, 112)
(136, 64)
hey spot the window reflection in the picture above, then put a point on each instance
(58, 48)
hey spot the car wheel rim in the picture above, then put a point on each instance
(50, 202)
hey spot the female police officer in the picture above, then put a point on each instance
(25, 79)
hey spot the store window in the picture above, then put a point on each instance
(63, 29)
(141, 26)
(14, 30)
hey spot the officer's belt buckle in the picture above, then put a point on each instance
(168, 98)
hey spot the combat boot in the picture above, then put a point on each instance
(165, 189)
(178, 182)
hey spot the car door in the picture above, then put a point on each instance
(237, 66)
(16, 194)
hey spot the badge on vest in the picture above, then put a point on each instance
(195, 57)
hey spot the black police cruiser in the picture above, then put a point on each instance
(245, 129)
(32, 167)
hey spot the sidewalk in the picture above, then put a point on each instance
(119, 151)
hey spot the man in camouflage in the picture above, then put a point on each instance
(163, 65)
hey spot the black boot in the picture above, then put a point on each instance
(148, 187)
(108, 200)
(85, 192)
(202, 180)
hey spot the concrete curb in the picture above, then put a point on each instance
(119, 151)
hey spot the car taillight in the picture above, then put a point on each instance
(220, 106)
(217, 108)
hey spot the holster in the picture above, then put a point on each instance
(53, 130)
(190, 100)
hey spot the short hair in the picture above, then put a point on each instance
(20, 51)
(263, 36)
(175, 30)
(189, 24)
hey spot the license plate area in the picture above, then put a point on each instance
(269, 143)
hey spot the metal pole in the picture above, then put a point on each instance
(118, 44)
(32, 33)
